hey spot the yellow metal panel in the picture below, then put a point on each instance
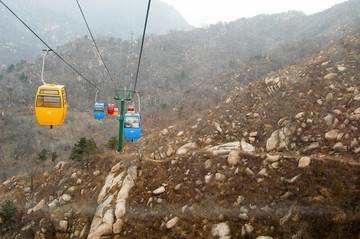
(49, 110)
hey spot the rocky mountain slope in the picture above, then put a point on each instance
(278, 159)
(181, 73)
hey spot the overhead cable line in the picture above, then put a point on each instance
(50, 49)
(92, 37)
(141, 48)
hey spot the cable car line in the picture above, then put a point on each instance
(92, 37)
(50, 49)
(141, 48)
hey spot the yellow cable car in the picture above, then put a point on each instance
(116, 111)
(51, 104)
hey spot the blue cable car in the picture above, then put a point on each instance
(132, 126)
(99, 111)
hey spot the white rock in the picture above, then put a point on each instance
(208, 164)
(264, 237)
(304, 162)
(219, 177)
(183, 209)
(208, 178)
(275, 165)
(249, 172)
(246, 147)
(103, 229)
(65, 198)
(339, 147)
(74, 176)
(108, 217)
(239, 200)
(263, 173)
(72, 189)
(159, 190)
(178, 186)
(357, 98)
(272, 158)
(120, 208)
(244, 216)
(341, 68)
(171, 223)
(60, 165)
(300, 115)
(221, 230)
(225, 149)
(115, 168)
(273, 141)
(63, 225)
(247, 229)
(330, 76)
(218, 128)
(233, 158)
(39, 206)
(169, 152)
(79, 181)
(53, 204)
(27, 189)
(96, 173)
(185, 148)
(164, 131)
(117, 226)
(228, 101)
(332, 134)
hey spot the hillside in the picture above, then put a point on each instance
(278, 159)
(58, 22)
(181, 73)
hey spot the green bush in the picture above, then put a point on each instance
(23, 77)
(10, 68)
(84, 149)
(7, 211)
(112, 143)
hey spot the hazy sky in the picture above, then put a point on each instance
(199, 12)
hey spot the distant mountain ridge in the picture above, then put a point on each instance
(60, 21)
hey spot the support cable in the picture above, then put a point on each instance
(50, 49)
(141, 48)
(92, 37)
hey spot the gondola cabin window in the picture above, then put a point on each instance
(48, 101)
(132, 122)
(99, 109)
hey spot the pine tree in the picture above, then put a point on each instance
(7, 212)
(83, 149)
(42, 156)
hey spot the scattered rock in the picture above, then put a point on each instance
(330, 76)
(63, 225)
(304, 162)
(39, 206)
(225, 149)
(246, 147)
(233, 158)
(221, 230)
(185, 148)
(171, 223)
(159, 190)
(273, 141)
(65, 198)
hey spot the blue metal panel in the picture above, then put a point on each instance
(99, 110)
(132, 126)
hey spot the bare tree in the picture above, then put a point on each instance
(31, 168)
